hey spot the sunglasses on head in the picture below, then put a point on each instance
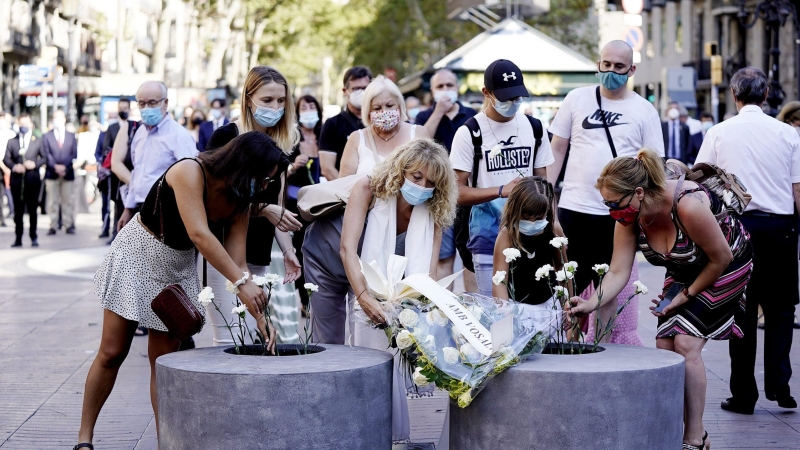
(616, 204)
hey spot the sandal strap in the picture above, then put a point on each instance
(83, 445)
(691, 447)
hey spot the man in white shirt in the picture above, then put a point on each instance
(155, 147)
(499, 125)
(597, 124)
(765, 154)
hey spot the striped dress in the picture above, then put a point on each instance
(709, 314)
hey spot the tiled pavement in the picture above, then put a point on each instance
(50, 325)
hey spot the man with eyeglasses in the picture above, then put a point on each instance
(338, 128)
(597, 124)
(158, 144)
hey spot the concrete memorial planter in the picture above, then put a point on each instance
(624, 397)
(340, 397)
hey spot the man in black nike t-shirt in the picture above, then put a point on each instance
(631, 123)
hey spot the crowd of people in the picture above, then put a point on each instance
(435, 184)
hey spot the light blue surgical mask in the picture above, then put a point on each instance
(152, 116)
(532, 228)
(414, 193)
(412, 113)
(267, 117)
(612, 80)
(508, 108)
(252, 190)
(439, 95)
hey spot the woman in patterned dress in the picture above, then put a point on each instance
(674, 223)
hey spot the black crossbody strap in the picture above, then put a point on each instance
(538, 133)
(477, 142)
(605, 125)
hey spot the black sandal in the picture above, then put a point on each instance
(84, 445)
(702, 445)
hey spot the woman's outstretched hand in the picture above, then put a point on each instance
(372, 308)
(579, 307)
(283, 219)
(253, 296)
(291, 265)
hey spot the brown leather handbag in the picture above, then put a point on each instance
(181, 317)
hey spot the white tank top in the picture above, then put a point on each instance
(366, 157)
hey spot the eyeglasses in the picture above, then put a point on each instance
(616, 204)
(150, 104)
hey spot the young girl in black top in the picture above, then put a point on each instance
(527, 226)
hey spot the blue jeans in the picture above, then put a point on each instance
(484, 270)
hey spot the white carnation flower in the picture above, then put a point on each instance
(408, 318)
(640, 287)
(499, 277)
(561, 276)
(259, 280)
(404, 340)
(601, 269)
(571, 266)
(559, 241)
(239, 310)
(543, 272)
(450, 355)
(205, 296)
(419, 379)
(511, 254)
(273, 279)
(561, 291)
(311, 287)
(496, 150)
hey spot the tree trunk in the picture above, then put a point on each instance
(158, 58)
(215, 58)
(255, 44)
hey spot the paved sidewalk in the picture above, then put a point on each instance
(50, 324)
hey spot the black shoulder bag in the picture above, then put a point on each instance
(605, 124)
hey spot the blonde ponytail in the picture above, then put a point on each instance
(624, 174)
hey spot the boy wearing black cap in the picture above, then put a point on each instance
(489, 154)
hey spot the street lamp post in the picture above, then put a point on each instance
(774, 13)
(70, 11)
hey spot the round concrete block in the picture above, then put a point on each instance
(622, 398)
(335, 399)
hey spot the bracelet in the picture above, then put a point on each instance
(686, 292)
(294, 250)
(359, 295)
(234, 287)
(500, 191)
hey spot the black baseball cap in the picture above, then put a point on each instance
(504, 79)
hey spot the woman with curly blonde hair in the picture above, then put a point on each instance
(414, 195)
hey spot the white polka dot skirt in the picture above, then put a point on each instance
(137, 267)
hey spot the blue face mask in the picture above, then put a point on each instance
(509, 108)
(152, 116)
(414, 193)
(535, 228)
(252, 190)
(267, 117)
(612, 80)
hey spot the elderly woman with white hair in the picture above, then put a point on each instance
(386, 128)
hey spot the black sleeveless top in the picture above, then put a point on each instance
(260, 231)
(526, 288)
(160, 202)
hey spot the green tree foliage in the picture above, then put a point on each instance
(569, 22)
(405, 35)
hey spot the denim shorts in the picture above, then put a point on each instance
(448, 248)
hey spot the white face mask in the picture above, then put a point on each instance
(673, 114)
(439, 95)
(216, 114)
(309, 119)
(59, 123)
(357, 98)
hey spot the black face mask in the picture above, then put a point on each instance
(123, 115)
(197, 121)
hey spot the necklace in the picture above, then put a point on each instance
(386, 139)
(489, 122)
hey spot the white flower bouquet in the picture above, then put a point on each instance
(457, 342)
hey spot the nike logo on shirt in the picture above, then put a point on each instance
(596, 120)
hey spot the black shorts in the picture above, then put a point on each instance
(591, 241)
